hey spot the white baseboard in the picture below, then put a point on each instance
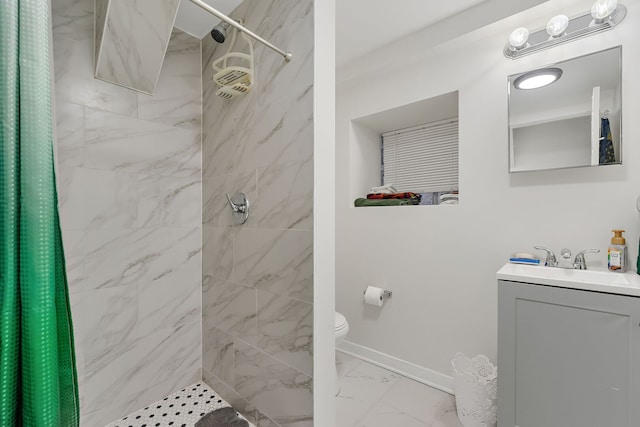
(410, 370)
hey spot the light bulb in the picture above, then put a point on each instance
(557, 25)
(518, 38)
(602, 9)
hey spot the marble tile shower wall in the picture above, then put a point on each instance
(129, 172)
(258, 277)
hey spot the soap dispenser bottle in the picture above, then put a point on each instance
(617, 253)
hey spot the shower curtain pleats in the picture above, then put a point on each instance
(38, 384)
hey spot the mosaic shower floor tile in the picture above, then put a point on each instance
(181, 409)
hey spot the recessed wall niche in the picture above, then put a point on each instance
(131, 39)
(438, 115)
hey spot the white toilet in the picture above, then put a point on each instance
(342, 328)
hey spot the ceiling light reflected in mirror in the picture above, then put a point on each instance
(538, 78)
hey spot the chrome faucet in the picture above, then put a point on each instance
(579, 262)
(551, 260)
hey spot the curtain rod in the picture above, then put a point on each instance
(287, 55)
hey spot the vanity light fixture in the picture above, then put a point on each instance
(538, 78)
(603, 16)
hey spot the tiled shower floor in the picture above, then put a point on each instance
(181, 409)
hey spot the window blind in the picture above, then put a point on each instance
(422, 158)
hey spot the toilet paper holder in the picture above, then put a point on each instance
(385, 293)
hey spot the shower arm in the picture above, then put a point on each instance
(287, 55)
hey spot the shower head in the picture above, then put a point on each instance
(219, 32)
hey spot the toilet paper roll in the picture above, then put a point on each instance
(373, 296)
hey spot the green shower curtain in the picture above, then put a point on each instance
(38, 385)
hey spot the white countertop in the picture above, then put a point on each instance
(588, 280)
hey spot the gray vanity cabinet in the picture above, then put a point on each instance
(567, 358)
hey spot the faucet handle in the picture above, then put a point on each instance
(579, 263)
(551, 260)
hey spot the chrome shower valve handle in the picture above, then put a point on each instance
(236, 207)
(240, 206)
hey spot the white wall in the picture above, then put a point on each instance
(440, 261)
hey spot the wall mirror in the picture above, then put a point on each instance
(567, 114)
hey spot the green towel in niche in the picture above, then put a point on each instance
(381, 202)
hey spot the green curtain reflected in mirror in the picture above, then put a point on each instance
(38, 385)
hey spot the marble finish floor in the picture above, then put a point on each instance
(371, 396)
(181, 409)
